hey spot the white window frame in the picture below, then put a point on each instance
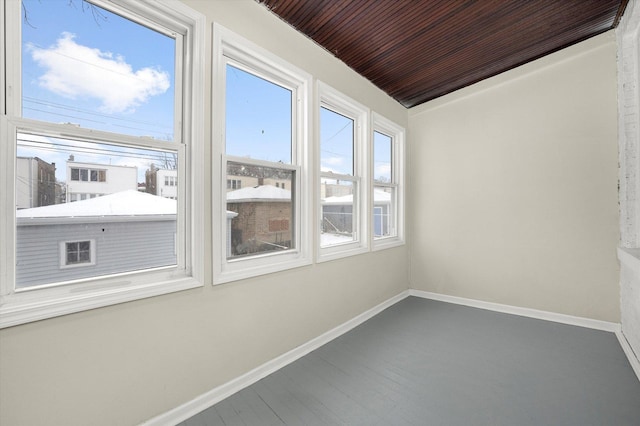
(63, 254)
(230, 48)
(339, 103)
(397, 133)
(46, 301)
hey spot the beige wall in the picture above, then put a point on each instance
(514, 186)
(127, 363)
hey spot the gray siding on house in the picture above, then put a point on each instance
(120, 247)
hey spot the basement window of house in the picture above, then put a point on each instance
(100, 95)
(343, 186)
(387, 219)
(77, 253)
(261, 110)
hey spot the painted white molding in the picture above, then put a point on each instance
(208, 399)
(212, 397)
(628, 351)
(523, 312)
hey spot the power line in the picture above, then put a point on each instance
(337, 133)
(59, 147)
(145, 130)
(91, 112)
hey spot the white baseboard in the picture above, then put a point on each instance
(523, 312)
(206, 400)
(628, 351)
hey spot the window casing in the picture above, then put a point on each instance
(281, 239)
(343, 187)
(387, 183)
(24, 304)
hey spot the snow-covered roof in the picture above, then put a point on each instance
(258, 193)
(379, 196)
(125, 203)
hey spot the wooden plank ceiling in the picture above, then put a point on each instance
(418, 50)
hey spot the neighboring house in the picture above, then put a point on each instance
(167, 184)
(162, 182)
(35, 182)
(333, 190)
(115, 233)
(90, 180)
(238, 182)
(337, 214)
(241, 175)
(263, 221)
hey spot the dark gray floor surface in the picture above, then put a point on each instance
(423, 362)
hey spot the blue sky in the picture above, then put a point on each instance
(84, 65)
(336, 142)
(382, 149)
(258, 117)
(89, 67)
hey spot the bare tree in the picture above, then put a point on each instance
(169, 161)
(97, 13)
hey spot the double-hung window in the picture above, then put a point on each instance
(116, 84)
(260, 191)
(387, 221)
(343, 187)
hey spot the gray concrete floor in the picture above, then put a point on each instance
(424, 362)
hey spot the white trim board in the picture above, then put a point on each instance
(523, 312)
(628, 351)
(210, 398)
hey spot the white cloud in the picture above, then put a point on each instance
(77, 71)
(382, 170)
(333, 161)
(333, 164)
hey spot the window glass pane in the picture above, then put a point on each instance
(259, 215)
(88, 67)
(338, 216)
(84, 256)
(72, 253)
(258, 117)
(133, 230)
(383, 211)
(336, 142)
(382, 148)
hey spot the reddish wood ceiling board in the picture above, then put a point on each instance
(416, 50)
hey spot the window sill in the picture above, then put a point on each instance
(338, 252)
(260, 265)
(24, 307)
(387, 243)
